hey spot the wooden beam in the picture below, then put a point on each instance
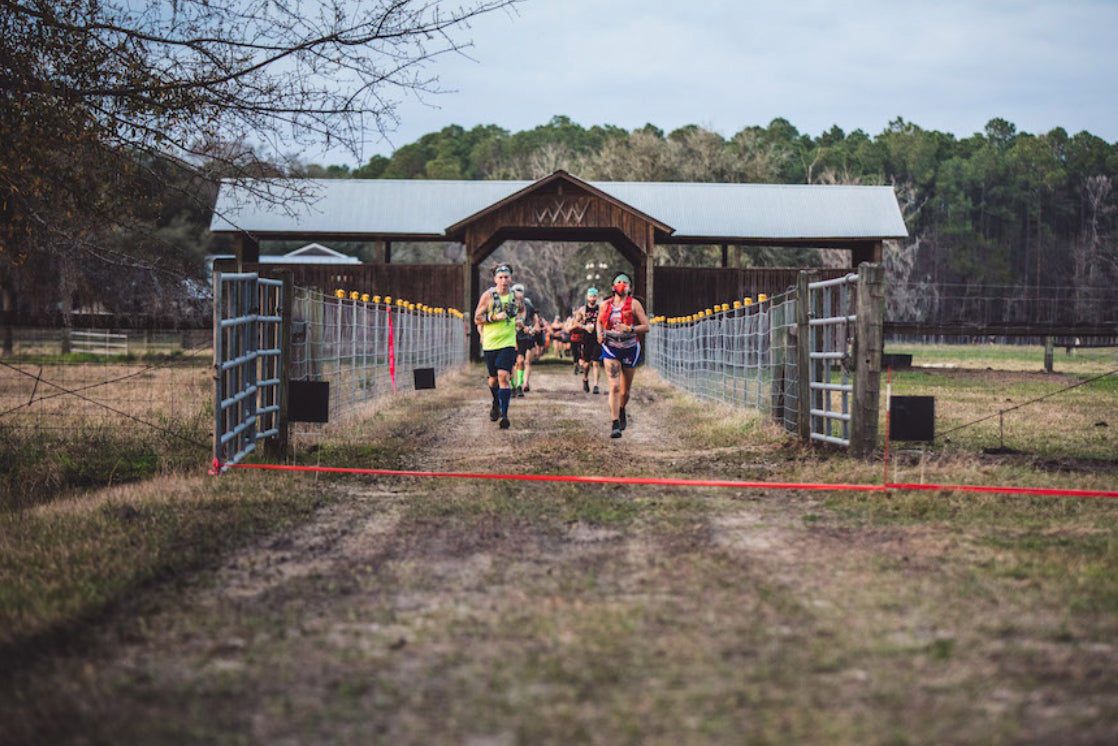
(247, 250)
(870, 251)
(645, 272)
(803, 353)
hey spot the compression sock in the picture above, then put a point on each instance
(503, 397)
(493, 390)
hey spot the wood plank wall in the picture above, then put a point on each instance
(684, 290)
(436, 285)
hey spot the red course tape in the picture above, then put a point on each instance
(673, 482)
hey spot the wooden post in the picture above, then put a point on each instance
(247, 250)
(1049, 354)
(471, 281)
(804, 368)
(7, 315)
(316, 317)
(277, 446)
(869, 341)
(725, 256)
(646, 269)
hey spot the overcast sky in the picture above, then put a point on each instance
(949, 65)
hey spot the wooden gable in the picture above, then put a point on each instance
(559, 207)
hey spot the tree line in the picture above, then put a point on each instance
(998, 208)
(117, 120)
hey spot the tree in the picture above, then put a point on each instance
(94, 91)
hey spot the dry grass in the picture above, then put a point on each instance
(79, 425)
(415, 611)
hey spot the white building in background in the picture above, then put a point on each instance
(312, 253)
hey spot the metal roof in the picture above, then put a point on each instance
(387, 207)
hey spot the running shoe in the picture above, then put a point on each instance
(494, 412)
(520, 392)
(586, 386)
(504, 423)
(622, 420)
(616, 432)
(596, 390)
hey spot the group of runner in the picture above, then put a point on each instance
(599, 334)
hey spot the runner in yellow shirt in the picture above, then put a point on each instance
(496, 316)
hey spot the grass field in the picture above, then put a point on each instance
(75, 423)
(998, 397)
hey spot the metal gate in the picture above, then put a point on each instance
(248, 329)
(831, 318)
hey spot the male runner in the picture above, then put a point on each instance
(496, 316)
(527, 320)
(590, 351)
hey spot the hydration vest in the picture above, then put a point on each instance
(607, 311)
(509, 308)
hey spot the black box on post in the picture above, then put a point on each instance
(308, 401)
(425, 378)
(912, 418)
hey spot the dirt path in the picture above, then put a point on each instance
(487, 613)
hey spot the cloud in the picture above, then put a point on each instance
(952, 66)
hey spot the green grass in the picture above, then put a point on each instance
(34, 471)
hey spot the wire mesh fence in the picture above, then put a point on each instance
(744, 355)
(370, 348)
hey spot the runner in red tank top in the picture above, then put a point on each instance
(621, 319)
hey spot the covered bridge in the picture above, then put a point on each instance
(632, 216)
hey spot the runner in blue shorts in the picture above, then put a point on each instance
(621, 319)
(496, 315)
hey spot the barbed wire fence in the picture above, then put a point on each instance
(366, 348)
(60, 399)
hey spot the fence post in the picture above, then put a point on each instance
(778, 346)
(804, 371)
(277, 446)
(869, 340)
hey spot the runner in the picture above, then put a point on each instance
(577, 334)
(540, 340)
(622, 317)
(496, 315)
(586, 317)
(555, 334)
(527, 321)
